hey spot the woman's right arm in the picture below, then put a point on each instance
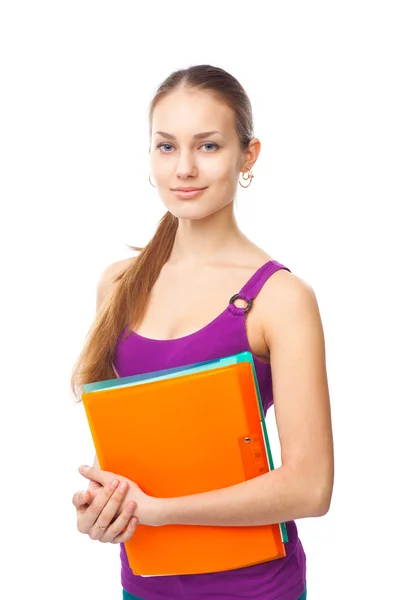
(83, 501)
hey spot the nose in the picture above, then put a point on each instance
(186, 166)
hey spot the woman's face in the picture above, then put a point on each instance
(178, 159)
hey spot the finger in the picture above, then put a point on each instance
(91, 513)
(93, 493)
(85, 499)
(127, 532)
(120, 524)
(96, 474)
(109, 512)
(94, 485)
(80, 498)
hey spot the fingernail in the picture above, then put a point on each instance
(82, 496)
(115, 484)
(83, 468)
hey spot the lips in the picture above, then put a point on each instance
(191, 193)
(186, 189)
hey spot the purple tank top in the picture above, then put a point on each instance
(280, 579)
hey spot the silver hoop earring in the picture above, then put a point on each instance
(150, 181)
(249, 176)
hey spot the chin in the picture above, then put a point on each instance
(193, 213)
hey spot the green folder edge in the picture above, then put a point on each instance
(245, 356)
(248, 357)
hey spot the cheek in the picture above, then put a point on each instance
(219, 170)
(160, 168)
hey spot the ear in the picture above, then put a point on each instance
(250, 155)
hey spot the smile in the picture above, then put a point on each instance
(191, 194)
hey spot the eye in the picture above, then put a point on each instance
(211, 144)
(160, 145)
(170, 145)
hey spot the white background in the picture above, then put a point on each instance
(76, 81)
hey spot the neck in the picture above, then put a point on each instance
(208, 240)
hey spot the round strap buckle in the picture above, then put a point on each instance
(249, 302)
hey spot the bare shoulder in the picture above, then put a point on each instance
(107, 281)
(115, 268)
(285, 300)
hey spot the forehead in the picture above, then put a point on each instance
(184, 113)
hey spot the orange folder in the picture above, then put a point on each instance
(185, 431)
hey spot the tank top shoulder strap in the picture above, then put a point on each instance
(250, 289)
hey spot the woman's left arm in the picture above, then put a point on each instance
(302, 486)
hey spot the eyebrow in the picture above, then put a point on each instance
(197, 136)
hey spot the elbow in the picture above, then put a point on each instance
(321, 509)
(315, 494)
(323, 489)
(321, 502)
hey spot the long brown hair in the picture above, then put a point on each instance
(126, 304)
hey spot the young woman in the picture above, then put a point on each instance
(200, 290)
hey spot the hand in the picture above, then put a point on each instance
(149, 509)
(96, 515)
(94, 488)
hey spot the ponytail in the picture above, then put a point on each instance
(124, 307)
